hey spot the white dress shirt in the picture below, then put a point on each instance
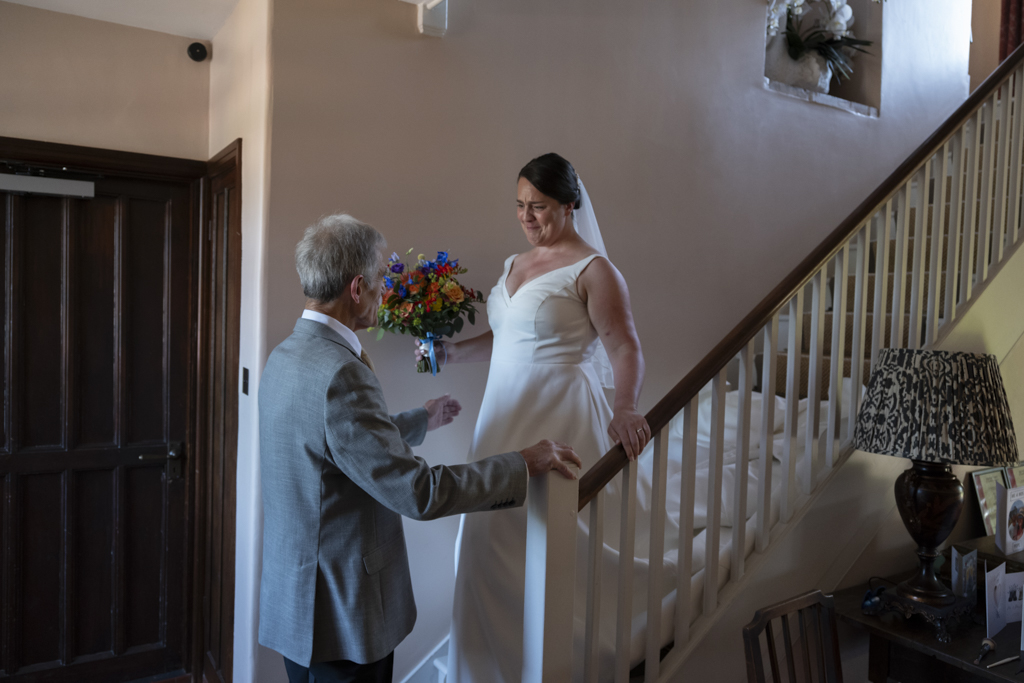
(346, 334)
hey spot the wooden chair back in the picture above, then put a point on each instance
(809, 650)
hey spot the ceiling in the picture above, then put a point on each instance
(190, 18)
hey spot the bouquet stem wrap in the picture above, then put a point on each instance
(429, 343)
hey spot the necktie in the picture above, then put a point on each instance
(366, 360)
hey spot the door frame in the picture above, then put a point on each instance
(227, 161)
(60, 158)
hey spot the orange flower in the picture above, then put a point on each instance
(454, 292)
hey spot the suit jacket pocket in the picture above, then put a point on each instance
(384, 555)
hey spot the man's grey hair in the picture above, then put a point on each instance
(333, 252)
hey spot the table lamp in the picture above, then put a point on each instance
(937, 408)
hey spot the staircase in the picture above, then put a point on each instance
(898, 272)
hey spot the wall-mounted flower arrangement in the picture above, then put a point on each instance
(816, 37)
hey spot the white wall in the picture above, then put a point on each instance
(708, 187)
(85, 82)
(240, 82)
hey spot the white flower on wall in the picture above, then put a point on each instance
(816, 26)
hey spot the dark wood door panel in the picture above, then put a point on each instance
(38, 268)
(94, 332)
(98, 320)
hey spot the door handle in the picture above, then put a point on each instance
(175, 455)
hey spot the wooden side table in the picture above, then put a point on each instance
(906, 650)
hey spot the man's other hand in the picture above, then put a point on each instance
(550, 455)
(441, 411)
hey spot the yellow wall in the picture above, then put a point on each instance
(240, 82)
(985, 18)
(86, 82)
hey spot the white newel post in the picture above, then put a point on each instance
(550, 578)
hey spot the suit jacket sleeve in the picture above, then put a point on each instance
(412, 425)
(368, 447)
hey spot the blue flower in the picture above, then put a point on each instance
(394, 257)
(398, 268)
(402, 291)
(388, 282)
(442, 258)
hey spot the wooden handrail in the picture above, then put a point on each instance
(598, 476)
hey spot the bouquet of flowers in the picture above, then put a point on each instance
(830, 35)
(426, 301)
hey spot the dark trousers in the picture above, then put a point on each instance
(341, 671)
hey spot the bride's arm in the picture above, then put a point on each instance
(603, 288)
(465, 351)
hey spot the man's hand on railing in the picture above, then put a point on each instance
(549, 455)
(629, 428)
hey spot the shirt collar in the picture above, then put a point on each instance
(346, 334)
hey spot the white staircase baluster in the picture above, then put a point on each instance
(550, 578)
(627, 551)
(917, 267)
(972, 139)
(652, 666)
(883, 237)
(838, 353)
(687, 482)
(793, 378)
(739, 509)
(899, 276)
(592, 640)
(955, 227)
(808, 473)
(941, 167)
(714, 528)
(1017, 135)
(1006, 113)
(984, 210)
(860, 307)
(764, 465)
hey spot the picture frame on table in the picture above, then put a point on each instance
(985, 482)
(1015, 475)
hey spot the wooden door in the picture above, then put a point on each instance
(96, 380)
(220, 264)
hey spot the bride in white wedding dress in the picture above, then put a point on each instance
(561, 330)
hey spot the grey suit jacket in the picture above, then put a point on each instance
(337, 475)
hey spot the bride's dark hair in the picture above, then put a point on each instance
(555, 177)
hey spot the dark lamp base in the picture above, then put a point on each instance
(945, 619)
(930, 499)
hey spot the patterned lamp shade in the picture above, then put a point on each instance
(937, 406)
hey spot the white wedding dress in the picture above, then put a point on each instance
(540, 386)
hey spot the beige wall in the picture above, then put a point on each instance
(985, 19)
(240, 81)
(85, 82)
(709, 188)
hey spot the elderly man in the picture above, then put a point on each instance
(338, 473)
